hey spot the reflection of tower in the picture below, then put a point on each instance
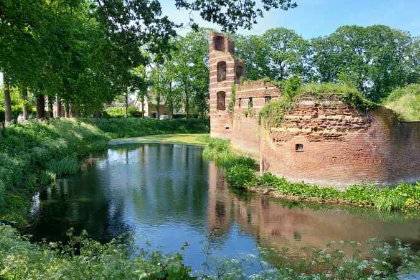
(225, 71)
(219, 207)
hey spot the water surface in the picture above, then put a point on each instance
(166, 195)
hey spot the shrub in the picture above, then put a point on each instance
(135, 127)
(83, 258)
(240, 176)
(116, 112)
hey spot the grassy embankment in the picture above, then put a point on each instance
(36, 154)
(405, 102)
(241, 170)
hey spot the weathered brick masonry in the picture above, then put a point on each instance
(320, 141)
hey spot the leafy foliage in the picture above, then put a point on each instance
(232, 15)
(83, 258)
(376, 59)
(278, 54)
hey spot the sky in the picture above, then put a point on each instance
(313, 18)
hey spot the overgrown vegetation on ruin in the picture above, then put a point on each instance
(34, 154)
(405, 102)
(273, 113)
(241, 173)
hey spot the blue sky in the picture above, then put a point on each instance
(314, 18)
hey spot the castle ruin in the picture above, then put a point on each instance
(325, 142)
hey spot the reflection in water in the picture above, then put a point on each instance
(166, 195)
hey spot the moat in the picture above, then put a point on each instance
(166, 195)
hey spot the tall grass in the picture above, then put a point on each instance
(405, 102)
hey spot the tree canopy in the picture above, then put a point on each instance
(83, 52)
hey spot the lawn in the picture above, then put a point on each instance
(190, 139)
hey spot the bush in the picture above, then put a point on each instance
(120, 128)
(83, 258)
(240, 176)
(116, 112)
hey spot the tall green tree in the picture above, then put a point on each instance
(377, 59)
(278, 54)
(191, 63)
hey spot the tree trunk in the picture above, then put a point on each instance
(158, 107)
(58, 104)
(72, 110)
(50, 107)
(25, 110)
(142, 107)
(171, 102)
(67, 110)
(126, 106)
(187, 106)
(40, 107)
(7, 102)
(97, 113)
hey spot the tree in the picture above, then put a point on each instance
(232, 15)
(7, 101)
(191, 60)
(277, 54)
(377, 59)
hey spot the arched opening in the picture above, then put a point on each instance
(221, 71)
(221, 96)
(219, 43)
(239, 72)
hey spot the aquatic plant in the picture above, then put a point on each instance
(84, 258)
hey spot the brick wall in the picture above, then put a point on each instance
(341, 147)
(321, 141)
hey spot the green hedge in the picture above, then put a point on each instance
(137, 127)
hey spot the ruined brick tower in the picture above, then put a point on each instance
(225, 71)
(323, 141)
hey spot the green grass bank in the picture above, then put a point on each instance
(241, 173)
(35, 154)
(405, 102)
